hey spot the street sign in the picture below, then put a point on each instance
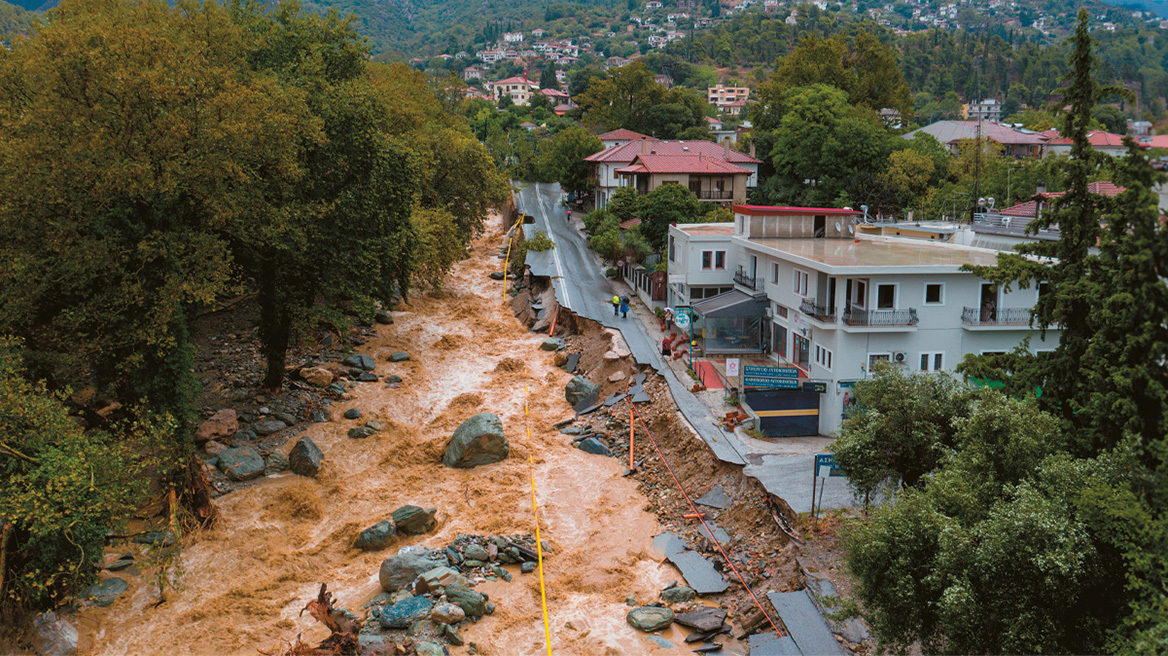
(771, 377)
(814, 386)
(681, 320)
(731, 367)
(825, 466)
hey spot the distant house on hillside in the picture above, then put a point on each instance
(621, 137)
(1015, 142)
(519, 89)
(1107, 143)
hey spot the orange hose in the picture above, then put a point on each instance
(631, 467)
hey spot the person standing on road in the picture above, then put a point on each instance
(616, 303)
(668, 318)
(666, 347)
(624, 307)
(569, 216)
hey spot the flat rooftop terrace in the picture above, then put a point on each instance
(878, 253)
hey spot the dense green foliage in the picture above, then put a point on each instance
(13, 20)
(1041, 528)
(629, 97)
(63, 488)
(154, 158)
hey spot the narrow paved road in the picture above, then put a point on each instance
(581, 286)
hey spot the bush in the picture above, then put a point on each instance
(63, 488)
(541, 243)
(593, 219)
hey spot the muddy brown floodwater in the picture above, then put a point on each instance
(246, 580)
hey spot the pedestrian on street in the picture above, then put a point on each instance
(666, 347)
(624, 307)
(616, 303)
(668, 318)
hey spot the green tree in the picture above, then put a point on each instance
(1111, 118)
(901, 428)
(667, 204)
(564, 158)
(821, 142)
(623, 98)
(116, 191)
(547, 77)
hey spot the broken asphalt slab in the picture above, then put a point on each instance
(698, 572)
(716, 498)
(768, 644)
(805, 623)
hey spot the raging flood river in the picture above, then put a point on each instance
(246, 580)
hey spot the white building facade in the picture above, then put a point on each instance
(837, 302)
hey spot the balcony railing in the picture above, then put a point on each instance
(714, 194)
(821, 312)
(858, 317)
(741, 278)
(996, 316)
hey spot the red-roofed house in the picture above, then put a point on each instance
(621, 137)
(518, 88)
(707, 178)
(1012, 221)
(555, 95)
(1104, 142)
(609, 160)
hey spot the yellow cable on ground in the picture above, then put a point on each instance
(547, 632)
(507, 265)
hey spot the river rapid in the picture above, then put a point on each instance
(247, 579)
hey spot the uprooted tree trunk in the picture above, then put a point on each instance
(342, 640)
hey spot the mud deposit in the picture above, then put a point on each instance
(247, 579)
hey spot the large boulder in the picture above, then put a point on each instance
(221, 425)
(305, 458)
(650, 618)
(405, 612)
(376, 537)
(579, 388)
(361, 361)
(383, 317)
(412, 520)
(678, 594)
(318, 376)
(594, 446)
(400, 570)
(478, 441)
(241, 463)
(54, 635)
(399, 356)
(552, 344)
(439, 578)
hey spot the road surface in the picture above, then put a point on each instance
(581, 286)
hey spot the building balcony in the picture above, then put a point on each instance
(741, 278)
(820, 312)
(972, 316)
(881, 318)
(714, 194)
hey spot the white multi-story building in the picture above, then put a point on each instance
(800, 287)
(513, 37)
(520, 89)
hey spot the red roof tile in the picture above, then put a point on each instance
(623, 135)
(627, 152)
(1097, 139)
(1029, 209)
(682, 164)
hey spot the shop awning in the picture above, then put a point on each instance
(733, 303)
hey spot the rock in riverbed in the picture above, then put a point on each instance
(376, 537)
(305, 458)
(478, 441)
(579, 388)
(241, 463)
(412, 520)
(400, 570)
(221, 425)
(650, 618)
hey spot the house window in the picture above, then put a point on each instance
(719, 259)
(885, 296)
(707, 259)
(932, 361)
(672, 249)
(781, 311)
(823, 357)
(935, 293)
(775, 273)
(779, 340)
(873, 358)
(799, 285)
